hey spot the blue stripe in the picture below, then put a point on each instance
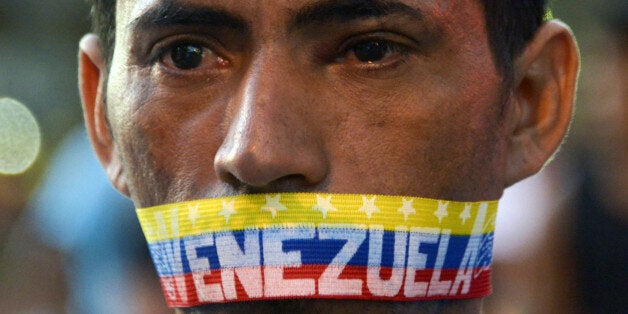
(170, 257)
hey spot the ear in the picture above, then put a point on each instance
(92, 80)
(544, 91)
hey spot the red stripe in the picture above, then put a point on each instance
(180, 291)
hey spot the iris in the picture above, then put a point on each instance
(371, 51)
(187, 56)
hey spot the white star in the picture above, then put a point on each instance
(323, 204)
(227, 209)
(369, 206)
(148, 231)
(466, 213)
(193, 214)
(441, 212)
(273, 205)
(407, 208)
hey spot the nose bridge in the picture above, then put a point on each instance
(262, 107)
(265, 90)
(268, 137)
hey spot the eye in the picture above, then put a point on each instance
(187, 56)
(371, 51)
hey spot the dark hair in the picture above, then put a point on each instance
(510, 25)
(104, 25)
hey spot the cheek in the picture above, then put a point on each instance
(438, 136)
(167, 140)
(466, 144)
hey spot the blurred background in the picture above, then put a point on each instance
(70, 244)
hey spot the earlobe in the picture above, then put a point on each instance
(92, 80)
(544, 92)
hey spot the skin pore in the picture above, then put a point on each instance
(214, 98)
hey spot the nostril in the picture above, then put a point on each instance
(288, 184)
(229, 178)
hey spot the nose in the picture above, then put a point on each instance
(271, 139)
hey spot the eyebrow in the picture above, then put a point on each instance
(171, 13)
(344, 11)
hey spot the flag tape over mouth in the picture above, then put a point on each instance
(307, 245)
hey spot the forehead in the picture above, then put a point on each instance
(462, 16)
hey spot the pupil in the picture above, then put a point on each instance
(187, 57)
(371, 51)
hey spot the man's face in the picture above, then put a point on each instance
(210, 98)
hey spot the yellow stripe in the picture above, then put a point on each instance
(172, 221)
